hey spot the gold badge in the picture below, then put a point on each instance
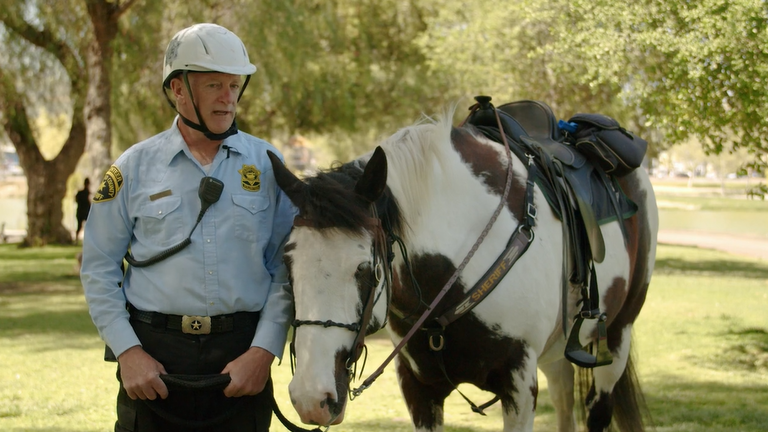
(110, 186)
(250, 177)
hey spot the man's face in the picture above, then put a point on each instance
(216, 97)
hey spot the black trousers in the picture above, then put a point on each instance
(186, 354)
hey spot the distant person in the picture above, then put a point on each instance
(300, 157)
(83, 200)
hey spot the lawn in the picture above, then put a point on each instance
(683, 208)
(701, 345)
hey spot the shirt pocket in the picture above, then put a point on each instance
(161, 222)
(250, 216)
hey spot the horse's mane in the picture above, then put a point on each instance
(331, 202)
(413, 153)
(416, 156)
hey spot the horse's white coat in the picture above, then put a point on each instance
(429, 181)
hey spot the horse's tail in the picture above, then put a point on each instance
(630, 411)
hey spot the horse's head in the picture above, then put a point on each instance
(336, 258)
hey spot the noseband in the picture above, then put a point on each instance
(380, 280)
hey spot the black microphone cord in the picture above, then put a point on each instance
(209, 192)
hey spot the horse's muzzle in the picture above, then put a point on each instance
(326, 412)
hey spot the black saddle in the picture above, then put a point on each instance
(531, 125)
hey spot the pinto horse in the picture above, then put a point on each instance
(432, 189)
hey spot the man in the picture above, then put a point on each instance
(300, 157)
(217, 303)
(83, 200)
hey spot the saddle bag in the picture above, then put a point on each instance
(608, 145)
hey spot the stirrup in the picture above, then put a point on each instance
(581, 356)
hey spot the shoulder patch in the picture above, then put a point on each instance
(110, 186)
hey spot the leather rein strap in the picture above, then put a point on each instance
(369, 381)
(516, 247)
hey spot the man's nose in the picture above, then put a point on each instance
(229, 96)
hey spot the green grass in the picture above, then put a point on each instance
(701, 345)
(738, 216)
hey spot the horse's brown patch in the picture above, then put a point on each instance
(473, 352)
(485, 164)
(624, 299)
(615, 296)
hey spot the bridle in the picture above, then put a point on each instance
(380, 282)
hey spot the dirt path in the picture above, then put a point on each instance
(756, 247)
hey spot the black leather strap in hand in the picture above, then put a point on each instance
(215, 382)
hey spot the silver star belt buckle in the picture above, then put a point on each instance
(193, 324)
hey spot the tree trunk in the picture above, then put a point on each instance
(47, 182)
(90, 94)
(98, 108)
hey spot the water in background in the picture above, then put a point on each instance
(13, 211)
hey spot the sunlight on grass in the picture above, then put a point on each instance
(701, 345)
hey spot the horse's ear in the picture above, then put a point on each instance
(288, 182)
(374, 180)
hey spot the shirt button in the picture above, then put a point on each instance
(160, 212)
(210, 272)
(212, 303)
(209, 240)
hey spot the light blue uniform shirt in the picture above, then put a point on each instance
(149, 201)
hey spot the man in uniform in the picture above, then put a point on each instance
(206, 291)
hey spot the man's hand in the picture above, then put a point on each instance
(140, 374)
(249, 372)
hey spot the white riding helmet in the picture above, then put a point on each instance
(206, 48)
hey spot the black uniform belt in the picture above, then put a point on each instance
(195, 324)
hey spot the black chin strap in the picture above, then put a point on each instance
(202, 126)
(207, 132)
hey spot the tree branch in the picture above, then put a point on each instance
(122, 8)
(45, 40)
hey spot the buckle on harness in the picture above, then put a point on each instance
(194, 324)
(532, 211)
(436, 339)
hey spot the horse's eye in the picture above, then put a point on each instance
(363, 267)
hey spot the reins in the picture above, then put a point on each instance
(369, 381)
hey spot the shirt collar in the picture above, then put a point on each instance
(175, 144)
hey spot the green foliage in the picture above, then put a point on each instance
(690, 68)
(330, 66)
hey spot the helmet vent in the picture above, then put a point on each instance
(205, 47)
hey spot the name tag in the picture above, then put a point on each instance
(159, 195)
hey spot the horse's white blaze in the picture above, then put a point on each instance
(324, 289)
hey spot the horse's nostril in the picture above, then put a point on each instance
(329, 401)
(334, 407)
